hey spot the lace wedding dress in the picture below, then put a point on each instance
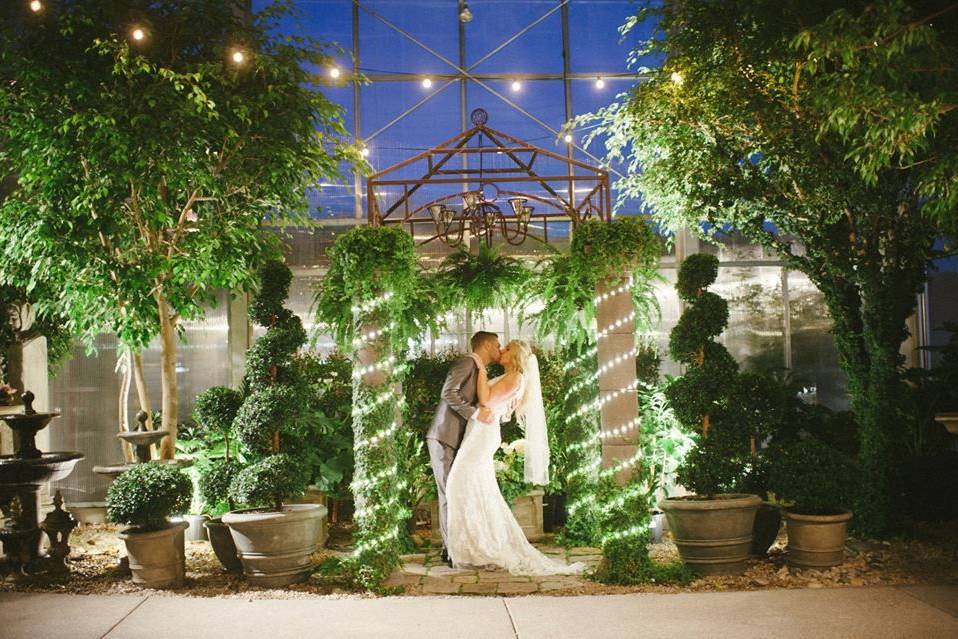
(482, 531)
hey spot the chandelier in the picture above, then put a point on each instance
(483, 218)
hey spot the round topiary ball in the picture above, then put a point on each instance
(148, 494)
(267, 409)
(270, 481)
(705, 318)
(216, 408)
(215, 477)
(697, 272)
(817, 478)
(274, 280)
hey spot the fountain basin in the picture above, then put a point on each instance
(16, 470)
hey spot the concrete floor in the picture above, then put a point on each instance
(921, 611)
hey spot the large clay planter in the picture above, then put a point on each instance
(816, 541)
(222, 542)
(275, 546)
(314, 495)
(768, 521)
(713, 536)
(157, 557)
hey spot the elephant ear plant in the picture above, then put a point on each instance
(713, 530)
(273, 540)
(144, 498)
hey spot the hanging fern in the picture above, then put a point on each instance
(480, 281)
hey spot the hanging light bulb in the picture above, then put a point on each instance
(334, 72)
(465, 15)
(365, 152)
(599, 83)
(568, 138)
(238, 57)
(138, 34)
(516, 85)
(36, 6)
(426, 83)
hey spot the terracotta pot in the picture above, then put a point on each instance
(816, 541)
(713, 536)
(222, 542)
(157, 557)
(768, 521)
(275, 546)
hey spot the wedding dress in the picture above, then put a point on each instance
(482, 531)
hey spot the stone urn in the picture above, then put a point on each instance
(528, 512)
(714, 535)
(275, 546)
(223, 547)
(816, 541)
(157, 557)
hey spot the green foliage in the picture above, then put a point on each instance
(696, 273)
(601, 254)
(272, 421)
(215, 409)
(147, 495)
(800, 133)
(818, 479)
(269, 481)
(214, 479)
(480, 281)
(374, 263)
(328, 436)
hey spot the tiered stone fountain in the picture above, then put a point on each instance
(142, 440)
(21, 476)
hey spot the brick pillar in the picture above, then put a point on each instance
(617, 382)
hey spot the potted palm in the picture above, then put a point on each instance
(815, 482)
(713, 527)
(144, 498)
(274, 539)
(214, 412)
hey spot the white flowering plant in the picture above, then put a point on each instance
(510, 462)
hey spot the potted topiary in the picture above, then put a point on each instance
(274, 540)
(214, 411)
(712, 528)
(144, 498)
(817, 481)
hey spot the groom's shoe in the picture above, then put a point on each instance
(445, 557)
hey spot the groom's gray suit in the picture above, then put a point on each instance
(456, 406)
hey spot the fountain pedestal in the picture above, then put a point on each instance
(22, 474)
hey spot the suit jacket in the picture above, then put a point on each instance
(457, 403)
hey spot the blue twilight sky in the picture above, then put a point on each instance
(596, 49)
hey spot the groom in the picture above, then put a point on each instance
(457, 405)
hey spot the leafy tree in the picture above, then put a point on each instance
(146, 167)
(785, 121)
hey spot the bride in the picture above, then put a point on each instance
(482, 531)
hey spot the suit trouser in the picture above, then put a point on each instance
(441, 457)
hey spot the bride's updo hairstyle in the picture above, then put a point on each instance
(522, 354)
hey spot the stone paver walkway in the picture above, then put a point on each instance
(928, 612)
(425, 573)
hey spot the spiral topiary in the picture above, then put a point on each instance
(700, 398)
(267, 422)
(215, 411)
(147, 495)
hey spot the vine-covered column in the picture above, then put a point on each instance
(370, 301)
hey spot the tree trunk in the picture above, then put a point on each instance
(142, 392)
(170, 399)
(126, 365)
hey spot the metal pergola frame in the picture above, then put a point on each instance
(463, 75)
(439, 168)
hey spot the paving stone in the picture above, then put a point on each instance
(516, 588)
(465, 579)
(479, 589)
(415, 558)
(556, 585)
(434, 585)
(414, 569)
(502, 578)
(445, 571)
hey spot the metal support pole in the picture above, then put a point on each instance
(357, 129)
(567, 92)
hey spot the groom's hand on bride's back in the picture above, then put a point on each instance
(485, 414)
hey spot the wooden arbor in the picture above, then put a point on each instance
(496, 165)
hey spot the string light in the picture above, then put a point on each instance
(138, 34)
(364, 151)
(334, 72)
(599, 83)
(568, 138)
(36, 6)
(238, 57)
(369, 305)
(426, 83)
(516, 86)
(622, 288)
(677, 78)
